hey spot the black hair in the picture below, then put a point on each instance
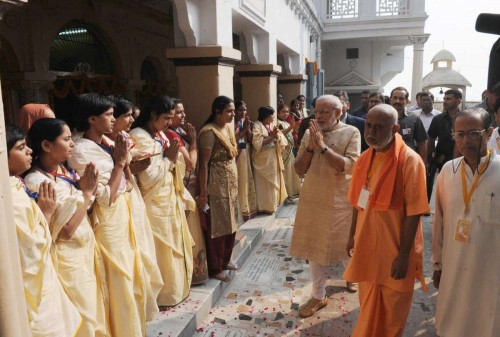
(13, 134)
(88, 105)
(300, 96)
(264, 112)
(456, 93)
(122, 106)
(401, 89)
(238, 104)
(313, 102)
(176, 101)
(379, 96)
(218, 106)
(156, 104)
(44, 129)
(342, 93)
(426, 94)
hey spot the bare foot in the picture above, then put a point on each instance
(222, 277)
(231, 266)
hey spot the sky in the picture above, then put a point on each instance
(451, 24)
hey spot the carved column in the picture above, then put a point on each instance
(418, 42)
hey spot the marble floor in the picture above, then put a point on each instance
(263, 298)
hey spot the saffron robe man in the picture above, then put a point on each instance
(388, 192)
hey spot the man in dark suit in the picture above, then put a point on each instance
(347, 118)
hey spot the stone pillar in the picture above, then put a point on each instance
(418, 42)
(290, 86)
(13, 313)
(259, 86)
(203, 73)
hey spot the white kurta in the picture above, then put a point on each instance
(469, 292)
(324, 214)
(494, 141)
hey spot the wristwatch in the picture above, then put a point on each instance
(325, 149)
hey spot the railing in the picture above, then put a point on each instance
(342, 9)
(347, 9)
(392, 7)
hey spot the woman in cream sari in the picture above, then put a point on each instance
(246, 184)
(267, 143)
(74, 250)
(185, 134)
(292, 180)
(162, 195)
(50, 311)
(111, 215)
(219, 186)
(143, 233)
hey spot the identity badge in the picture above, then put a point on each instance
(364, 195)
(462, 230)
(406, 131)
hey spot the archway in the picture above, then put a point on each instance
(153, 75)
(83, 63)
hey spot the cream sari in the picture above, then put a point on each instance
(165, 211)
(114, 233)
(50, 311)
(268, 169)
(77, 261)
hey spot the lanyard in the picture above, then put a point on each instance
(33, 195)
(72, 179)
(468, 195)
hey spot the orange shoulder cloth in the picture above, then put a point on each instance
(387, 193)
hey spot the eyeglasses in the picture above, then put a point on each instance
(374, 101)
(471, 134)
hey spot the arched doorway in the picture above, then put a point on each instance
(153, 75)
(82, 63)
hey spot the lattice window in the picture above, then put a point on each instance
(392, 7)
(342, 9)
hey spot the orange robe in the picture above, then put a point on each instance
(397, 189)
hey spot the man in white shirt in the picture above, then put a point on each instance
(466, 233)
(427, 112)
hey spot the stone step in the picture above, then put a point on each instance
(182, 320)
